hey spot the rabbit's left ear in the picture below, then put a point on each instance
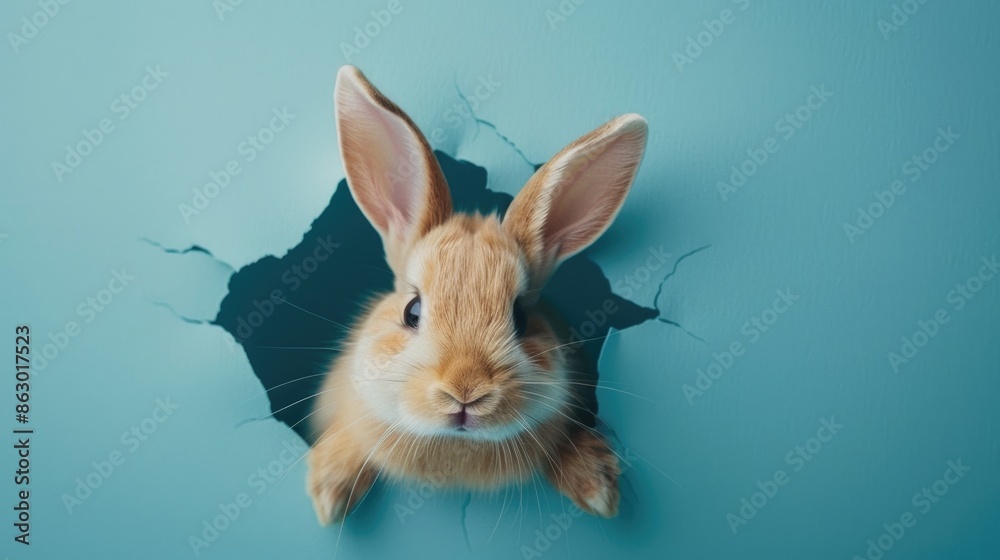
(391, 171)
(572, 199)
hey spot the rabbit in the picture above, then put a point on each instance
(457, 377)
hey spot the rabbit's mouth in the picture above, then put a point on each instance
(483, 427)
(462, 419)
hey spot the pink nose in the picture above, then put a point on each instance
(463, 401)
(463, 418)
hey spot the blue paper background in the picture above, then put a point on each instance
(559, 69)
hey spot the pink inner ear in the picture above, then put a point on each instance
(390, 174)
(588, 192)
(397, 167)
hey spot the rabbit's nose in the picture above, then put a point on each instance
(462, 398)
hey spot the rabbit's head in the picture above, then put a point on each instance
(458, 348)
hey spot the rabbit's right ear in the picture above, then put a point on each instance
(391, 171)
(573, 198)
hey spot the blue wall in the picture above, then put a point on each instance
(868, 199)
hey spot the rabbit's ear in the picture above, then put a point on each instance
(573, 198)
(391, 171)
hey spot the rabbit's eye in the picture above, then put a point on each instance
(411, 315)
(520, 319)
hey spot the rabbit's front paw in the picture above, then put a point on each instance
(588, 473)
(336, 488)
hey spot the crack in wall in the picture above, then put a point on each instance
(508, 141)
(480, 121)
(465, 519)
(191, 321)
(191, 249)
(683, 328)
(178, 314)
(252, 421)
(659, 292)
(468, 105)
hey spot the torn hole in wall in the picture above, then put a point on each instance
(291, 313)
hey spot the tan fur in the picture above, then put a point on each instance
(437, 199)
(616, 148)
(388, 406)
